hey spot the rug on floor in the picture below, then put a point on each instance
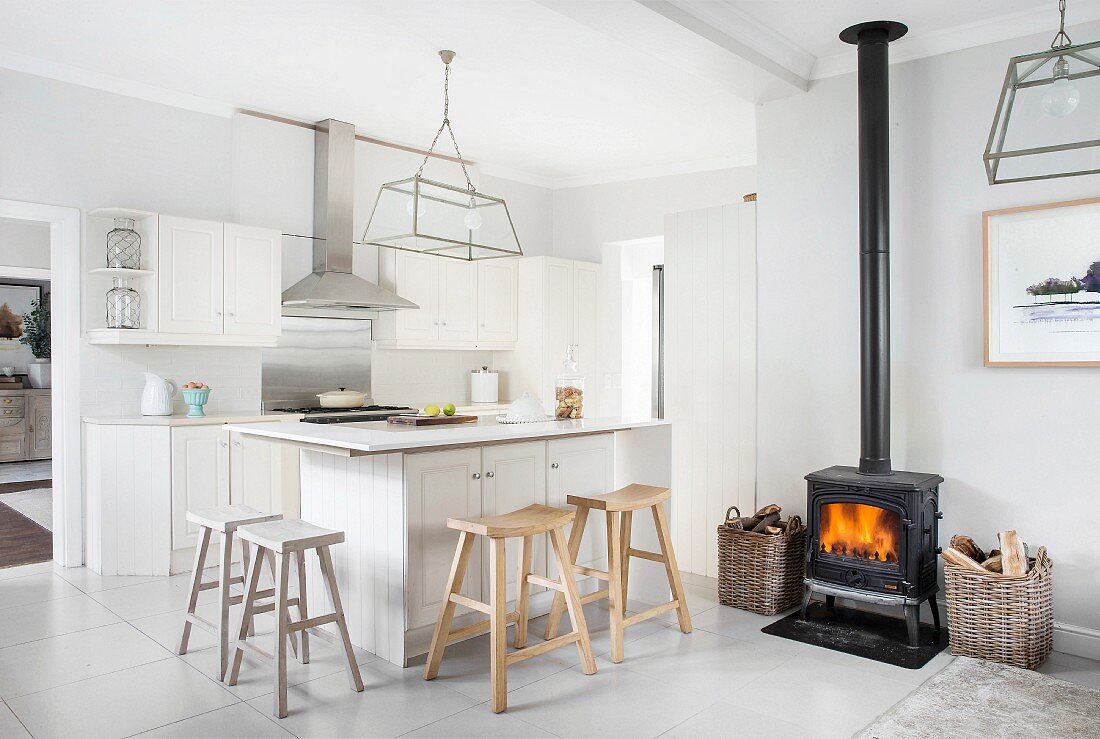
(976, 698)
(37, 505)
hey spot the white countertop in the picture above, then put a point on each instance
(378, 436)
(181, 419)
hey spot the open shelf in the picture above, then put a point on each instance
(121, 272)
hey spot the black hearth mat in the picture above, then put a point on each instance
(862, 633)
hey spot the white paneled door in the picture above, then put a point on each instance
(253, 280)
(190, 276)
(457, 300)
(417, 278)
(497, 300)
(710, 373)
(200, 477)
(582, 465)
(513, 477)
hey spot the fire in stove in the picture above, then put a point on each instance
(860, 531)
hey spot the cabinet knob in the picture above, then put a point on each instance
(477, 475)
(218, 313)
(231, 314)
(490, 474)
(236, 443)
(224, 444)
(553, 465)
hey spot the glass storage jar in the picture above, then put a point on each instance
(569, 388)
(123, 306)
(123, 245)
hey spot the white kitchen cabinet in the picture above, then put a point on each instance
(582, 465)
(497, 298)
(439, 485)
(200, 477)
(513, 477)
(190, 276)
(416, 278)
(458, 300)
(253, 281)
(255, 473)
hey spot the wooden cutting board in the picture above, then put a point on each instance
(439, 420)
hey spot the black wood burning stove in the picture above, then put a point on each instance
(873, 530)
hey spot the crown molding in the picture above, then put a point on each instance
(503, 172)
(652, 171)
(108, 83)
(957, 38)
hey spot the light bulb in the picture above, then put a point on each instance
(1061, 99)
(421, 208)
(472, 219)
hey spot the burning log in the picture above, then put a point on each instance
(1014, 554)
(967, 546)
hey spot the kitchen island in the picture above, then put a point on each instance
(392, 489)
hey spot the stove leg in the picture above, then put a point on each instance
(806, 594)
(830, 602)
(912, 623)
(935, 613)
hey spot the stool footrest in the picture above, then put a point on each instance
(475, 629)
(655, 611)
(533, 651)
(545, 582)
(592, 597)
(311, 622)
(248, 646)
(475, 605)
(269, 607)
(592, 572)
(201, 622)
(643, 554)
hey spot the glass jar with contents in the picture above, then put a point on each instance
(569, 388)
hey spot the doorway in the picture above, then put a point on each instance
(41, 507)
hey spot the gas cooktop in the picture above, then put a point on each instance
(316, 414)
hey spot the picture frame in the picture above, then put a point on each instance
(1041, 266)
(15, 302)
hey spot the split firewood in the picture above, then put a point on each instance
(735, 523)
(993, 564)
(1014, 554)
(769, 520)
(767, 511)
(955, 557)
(994, 552)
(773, 530)
(967, 546)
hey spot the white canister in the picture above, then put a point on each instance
(484, 385)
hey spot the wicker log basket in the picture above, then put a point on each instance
(1001, 618)
(761, 572)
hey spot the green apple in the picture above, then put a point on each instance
(431, 410)
(449, 409)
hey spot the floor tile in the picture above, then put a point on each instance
(477, 722)
(90, 582)
(148, 599)
(122, 703)
(395, 701)
(7, 573)
(701, 599)
(33, 621)
(232, 722)
(48, 663)
(614, 702)
(729, 621)
(598, 619)
(723, 720)
(34, 589)
(32, 471)
(10, 726)
(1073, 669)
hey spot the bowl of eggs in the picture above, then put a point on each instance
(195, 394)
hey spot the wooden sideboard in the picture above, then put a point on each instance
(25, 421)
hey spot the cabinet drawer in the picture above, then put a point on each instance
(13, 448)
(11, 426)
(13, 401)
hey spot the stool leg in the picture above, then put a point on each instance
(558, 606)
(615, 584)
(627, 520)
(573, 602)
(196, 581)
(303, 614)
(246, 561)
(355, 678)
(498, 625)
(447, 612)
(225, 572)
(523, 591)
(275, 585)
(282, 584)
(660, 520)
(249, 603)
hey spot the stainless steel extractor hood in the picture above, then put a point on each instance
(332, 291)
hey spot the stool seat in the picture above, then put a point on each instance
(534, 519)
(289, 535)
(228, 517)
(631, 498)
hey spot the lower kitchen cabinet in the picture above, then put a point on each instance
(200, 477)
(582, 465)
(256, 473)
(513, 476)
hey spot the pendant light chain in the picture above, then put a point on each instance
(1061, 39)
(447, 125)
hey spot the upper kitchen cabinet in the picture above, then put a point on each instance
(462, 305)
(200, 282)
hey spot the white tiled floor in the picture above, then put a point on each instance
(84, 655)
(39, 469)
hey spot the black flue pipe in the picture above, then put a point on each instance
(873, 81)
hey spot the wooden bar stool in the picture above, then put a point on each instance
(619, 507)
(276, 541)
(224, 520)
(522, 524)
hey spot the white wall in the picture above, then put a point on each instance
(24, 244)
(992, 433)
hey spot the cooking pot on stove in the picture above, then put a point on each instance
(342, 398)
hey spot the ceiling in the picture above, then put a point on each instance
(555, 92)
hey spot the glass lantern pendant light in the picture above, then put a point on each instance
(431, 217)
(1036, 133)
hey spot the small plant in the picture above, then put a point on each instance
(1055, 286)
(36, 329)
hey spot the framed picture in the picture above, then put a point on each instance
(15, 301)
(1042, 285)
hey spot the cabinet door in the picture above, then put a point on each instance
(417, 279)
(457, 300)
(200, 477)
(253, 280)
(189, 276)
(255, 473)
(583, 465)
(558, 320)
(439, 485)
(513, 476)
(39, 426)
(586, 301)
(497, 300)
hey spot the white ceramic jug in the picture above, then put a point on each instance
(156, 398)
